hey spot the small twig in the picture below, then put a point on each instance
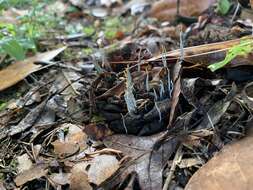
(235, 13)
(69, 82)
(178, 7)
(124, 123)
(176, 161)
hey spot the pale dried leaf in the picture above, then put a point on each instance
(21, 69)
(60, 178)
(64, 149)
(24, 163)
(147, 165)
(102, 167)
(79, 177)
(229, 169)
(2, 186)
(167, 9)
(35, 172)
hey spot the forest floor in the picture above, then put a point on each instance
(117, 94)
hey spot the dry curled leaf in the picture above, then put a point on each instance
(146, 164)
(102, 167)
(79, 177)
(167, 9)
(209, 53)
(35, 172)
(229, 169)
(24, 163)
(60, 178)
(21, 69)
(74, 141)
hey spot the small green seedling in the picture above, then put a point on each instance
(13, 48)
(243, 49)
(223, 6)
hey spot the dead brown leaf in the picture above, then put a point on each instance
(11, 15)
(101, 168)
(146, 164)
(74, 141)
(60, 178)
(24, 163)
(167, 9)
(79, 177)
(35, 172)
(96, 132)
(2, 186)
(21, 69)
(229, 169)
(208, 54)
(63, 149)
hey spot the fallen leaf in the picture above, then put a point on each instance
(208, 54)
(117, 91)
(167, 9)
(215, 113)
(35, 172)
(79, 177)
(74, 141)
(24, 163)
(28, 120)
(63, 149)
(97, 132)
(11, 15)
(21, 69)
(2, 186)
(101, 168)
(60, 178)
(147, 164)
(247, 95)
(229, 169)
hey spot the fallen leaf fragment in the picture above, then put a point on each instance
(63, 149)
(229, 169)
(79, 177)
(209, 53)
(146, 164)
(2, 186)
(21, 69)
(74, 141)
(24, 163)
(102, 167)
(167, 9)
(35, 172)
(60, 178)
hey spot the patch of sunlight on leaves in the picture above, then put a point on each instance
(223, 6)
(243, 49)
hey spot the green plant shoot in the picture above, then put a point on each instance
(223, 6)
(243, 49)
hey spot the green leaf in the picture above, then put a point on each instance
(223, 6)
(89, 30)
(13, 48)
(243, 49)
(3, 105)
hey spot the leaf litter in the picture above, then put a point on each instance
(140, 95)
